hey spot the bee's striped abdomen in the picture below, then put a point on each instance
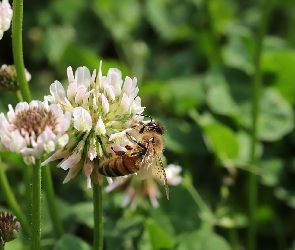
(119, 166)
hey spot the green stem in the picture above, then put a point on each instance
(11, 200)
(27, 177)
(206, 213)
(36, 206)
(257, 86)
(50, 198)
(98, 217)
(2, 247)
(17, 49)
(234, 239)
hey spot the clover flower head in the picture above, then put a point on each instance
(9, 227)
(103, 108)
(8, 78)
(33, 129)
(5, 16)
(135, 188)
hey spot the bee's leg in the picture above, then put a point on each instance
(119, 153)
(131, 138)
(146, 116)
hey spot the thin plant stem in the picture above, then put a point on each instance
(27, 177)
(50, 198)
(234, 239)
(11, 200)
(257, 86)
(98, 217)
(206, 213)
(36, 206)
(17, 49)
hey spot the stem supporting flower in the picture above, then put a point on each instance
(98, 217)
(52, 208)
(36, 207)
(17, 49)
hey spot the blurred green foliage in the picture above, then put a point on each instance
(194, 63)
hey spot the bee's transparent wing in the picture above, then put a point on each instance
(159, 173)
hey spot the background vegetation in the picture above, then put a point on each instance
(194, 60)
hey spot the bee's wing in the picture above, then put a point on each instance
(159, 173)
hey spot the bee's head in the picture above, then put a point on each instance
(155, 126)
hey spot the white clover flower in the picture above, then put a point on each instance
(33, 129)
(8, 78)
(5, 16)
(173, 174)
(103, 108)
(135, 188)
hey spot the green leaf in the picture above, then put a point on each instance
(158, 237)
(119, 17)
(169, 18)
(271, 170)
(184, 138)
(202, 240)
(64, 35)
(245, 141)
(220, 139)
(183, 94)
(71, 242)
(281, 64)
(219, 97)
(276, 117)
(239, 50)
(222, 14)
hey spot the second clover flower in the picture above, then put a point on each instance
(33, 129)
(103, 108)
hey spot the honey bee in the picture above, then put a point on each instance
(144, 156)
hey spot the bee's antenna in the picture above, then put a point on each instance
(146, 116)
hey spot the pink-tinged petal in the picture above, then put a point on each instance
(115, 78)
(129, 194)
(82, 119)
(71, 161)
(86, 98)
(80, 94)
(125, 104)
(105, 104)
(17, 141)
(21, 106)
(110, 92)
(59, 154)
(72, 90)
(4, 125)
(10, 113)
(65, 122)
(82, 76)
(127, 87)
(73, 171)
(36, 104)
